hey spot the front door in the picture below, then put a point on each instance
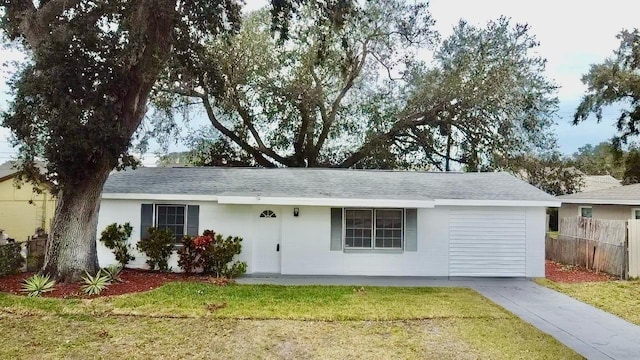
(266, 243)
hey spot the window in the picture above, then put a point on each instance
(358, 228)
(171, 217)
(636, 214)
(267, 214)
(373, 228)
(586, 211)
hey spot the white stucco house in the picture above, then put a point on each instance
(342, 222)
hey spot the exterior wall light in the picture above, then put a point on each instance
(296, 211)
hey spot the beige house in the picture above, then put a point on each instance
(615, 203)
(22, 209)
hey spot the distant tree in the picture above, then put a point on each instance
(632, 167)
(174, 159)
(550, 173)
(602, 159)
(615, 81)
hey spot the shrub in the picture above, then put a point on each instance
(94, 285)
(213, 253)
(115, 238)
(112, 273)
(158, 246)
(11, 260)
(188, 255)
(219, 255)
(35, 262)
(38, 285)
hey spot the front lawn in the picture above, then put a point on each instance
(196, 320)
(621, 298)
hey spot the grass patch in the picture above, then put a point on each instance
(621, 298)
(272, 322)
(308, 302)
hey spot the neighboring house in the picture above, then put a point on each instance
(599, 182)
(342, 222)
(22, 210)
(616, 203)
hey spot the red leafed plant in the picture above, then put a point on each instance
(212, 253)
(202, 242)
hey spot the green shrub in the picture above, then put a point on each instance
(115, 238)
(38, 285)
(94, 285)
(157, 246)
(11, 260)
(35, 262)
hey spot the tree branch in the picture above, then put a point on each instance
(260, 159)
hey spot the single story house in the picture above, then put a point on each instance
(342, 222)
(615, 203)
(22, 209)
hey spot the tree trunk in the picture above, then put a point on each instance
(71, 249)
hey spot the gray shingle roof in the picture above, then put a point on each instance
(324, 183)
(599, 182)
(622, 194)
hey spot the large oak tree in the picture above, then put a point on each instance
(84, 92)
(482, 100)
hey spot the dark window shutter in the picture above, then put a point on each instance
(193, 217)
(146, 219)
(411, 230)
(336, 229)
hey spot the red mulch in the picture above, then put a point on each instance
(569, 274)
(132, 281)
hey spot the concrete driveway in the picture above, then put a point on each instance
(591, 332)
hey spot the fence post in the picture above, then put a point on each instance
(625, 264)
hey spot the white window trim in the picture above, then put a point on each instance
(633, 213)
(585, 207)
(155, 216)
(373, 230)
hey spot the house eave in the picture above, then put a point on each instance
(501, 203)
(600, 201)
(339, 202)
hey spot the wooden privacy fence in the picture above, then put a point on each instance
(596, 244)
(633, 245)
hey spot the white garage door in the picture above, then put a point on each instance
(487, 242)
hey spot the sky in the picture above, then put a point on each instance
(573, 35)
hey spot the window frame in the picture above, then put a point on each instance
(184, 225)
(585, 207)
(373, 230)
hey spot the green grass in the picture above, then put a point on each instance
(185, 320)
(621, 298)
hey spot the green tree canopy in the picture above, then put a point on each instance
(368, 101)
(616, 81)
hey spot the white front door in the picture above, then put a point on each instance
(266, 240)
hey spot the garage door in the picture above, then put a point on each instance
(487, 242)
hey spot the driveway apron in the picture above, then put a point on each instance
(591, 332)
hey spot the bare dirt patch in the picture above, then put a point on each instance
(571, 274)
(133, 281)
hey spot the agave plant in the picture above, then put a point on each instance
(38, 285)
(112, 272)
(94, 285)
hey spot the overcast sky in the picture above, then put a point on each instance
(573, 34)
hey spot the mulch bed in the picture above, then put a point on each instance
(132, 281)
(570, 274)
